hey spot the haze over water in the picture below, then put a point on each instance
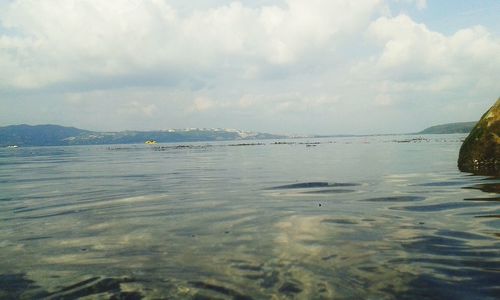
(386, 217)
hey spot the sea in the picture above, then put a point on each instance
(372, 217)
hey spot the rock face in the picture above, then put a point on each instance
(480, 152)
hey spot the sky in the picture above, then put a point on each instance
(277, 66)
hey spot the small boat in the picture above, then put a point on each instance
(150, 142)
(13, 146)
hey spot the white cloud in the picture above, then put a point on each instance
(414, 59)
(70, 41)
(246, 64)
(383, 100)
(409, 45)
(202, 104)
(138, 108)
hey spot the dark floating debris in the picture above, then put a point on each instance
(202, 147)
(284, 143)
(308, 185)
(303, 185)
(310, 143)
(441, 206)
(329, 191)
(495, 199)
(413, 140)
(181, 147)
(120, 148)
(488, 216)
(188, 146)
(395, 199)
(246, 144)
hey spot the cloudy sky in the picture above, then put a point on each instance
(280, 66)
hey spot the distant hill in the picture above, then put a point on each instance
(462, 127)
(39, 135)
(55, 135)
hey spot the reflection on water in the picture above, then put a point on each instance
(366, 217)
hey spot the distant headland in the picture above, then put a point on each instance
(55, 135)
(460, 127)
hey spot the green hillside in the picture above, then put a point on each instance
(39, 135)
(54, 135)
(461, 127)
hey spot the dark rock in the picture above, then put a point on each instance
(480, 152)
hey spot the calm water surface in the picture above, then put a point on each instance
(345, 218)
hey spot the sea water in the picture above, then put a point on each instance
(377, 217)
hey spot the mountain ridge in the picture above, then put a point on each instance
(457, 127)
(56, 135)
